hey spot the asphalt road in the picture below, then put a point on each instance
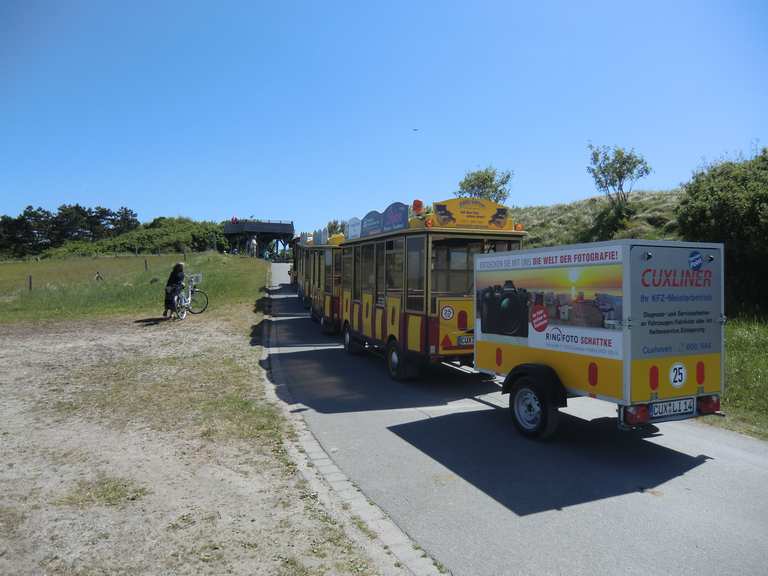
(441, 457)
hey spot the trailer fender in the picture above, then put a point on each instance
(543, 375)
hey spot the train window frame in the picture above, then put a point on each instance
(415, 273)
(347, 268)
(356, 292)
(394, 267)
(380, 274)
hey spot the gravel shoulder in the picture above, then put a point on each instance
(149, 447)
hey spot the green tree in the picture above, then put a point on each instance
(488, 183)
(727, 201)
(615, 171)
(71, 223)
(29, 233)
(100, 222)
(6, 234)
(124, 220)
(335, 227)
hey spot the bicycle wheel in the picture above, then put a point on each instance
(199, 301)
(181, 307)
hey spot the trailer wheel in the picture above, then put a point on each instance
(533, 412)
(351, 345)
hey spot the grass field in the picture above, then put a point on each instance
(68, 288)
(746, 378)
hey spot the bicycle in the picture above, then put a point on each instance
(194, 301)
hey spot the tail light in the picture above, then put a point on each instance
(461, 321)
(708, 404)
(700, 373)
(653, 378)
(637, 414)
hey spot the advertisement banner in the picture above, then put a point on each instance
(353, 228)
(676, 301)
(395, 217)
(371, 224)
(568, 300)
(472, 213)
(545, 259)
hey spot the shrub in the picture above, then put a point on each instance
(160, 235)
(728, 202)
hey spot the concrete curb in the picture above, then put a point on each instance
(391, 549)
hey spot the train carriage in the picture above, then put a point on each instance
(407, 282)
(318, 263)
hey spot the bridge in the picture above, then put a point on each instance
(259, 237)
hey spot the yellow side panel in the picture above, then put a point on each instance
(356, 316)
(327, 306)
(414, 332)
(379, 329)
(367, 305)
(448, 312)
(641, 370)
(393, 317)
(572, 369)
(346, 306)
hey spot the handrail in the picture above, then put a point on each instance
(240, 221)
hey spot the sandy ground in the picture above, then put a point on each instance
(148, 448)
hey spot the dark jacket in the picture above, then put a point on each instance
(175, 278)
(173, 287)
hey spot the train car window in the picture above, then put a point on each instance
(347, 269)
(415, 272)
(368, 271)
(356, 286)
(336, 268)
(380, 274)
(328, 270)
(394, 267)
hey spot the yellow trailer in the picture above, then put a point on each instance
(637, 323)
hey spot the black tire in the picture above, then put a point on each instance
(199, 302)
(351, 344)
(397, 366)
(533, 412)
(179, 309)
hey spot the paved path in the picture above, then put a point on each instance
(441, 457)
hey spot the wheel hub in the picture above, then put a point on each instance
(394, 360)
(527, 409)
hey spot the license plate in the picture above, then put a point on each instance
(465, 340)
(672, 408)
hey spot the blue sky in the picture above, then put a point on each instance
(305, 110)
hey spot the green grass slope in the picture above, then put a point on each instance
(654, 219)
(68, 288)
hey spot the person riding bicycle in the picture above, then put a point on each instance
(173, 287)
